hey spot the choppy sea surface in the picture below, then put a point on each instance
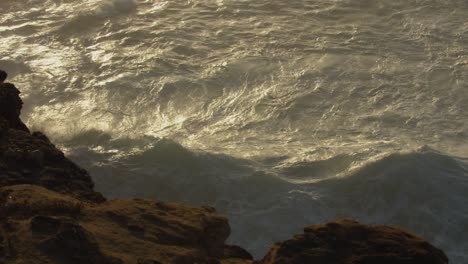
(278, 113)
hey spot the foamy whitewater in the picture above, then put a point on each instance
(278, 113)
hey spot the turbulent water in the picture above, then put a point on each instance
(278, 113)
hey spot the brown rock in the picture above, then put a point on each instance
(64, 240)
(32, 159)
(348, 242)
(50, 227)
(10, 106)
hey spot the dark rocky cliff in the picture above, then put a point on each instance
(32, 159)
(50, 213)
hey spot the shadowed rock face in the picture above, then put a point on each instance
(347, 241)
(50, 213)
(32, 159)
(10, 106)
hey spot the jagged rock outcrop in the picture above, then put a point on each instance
(44, 226)
(50, 213)
(32, 159)
(348, 242)
(10, 106)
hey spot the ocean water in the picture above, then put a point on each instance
(278, 113)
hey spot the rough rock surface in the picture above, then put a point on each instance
(43, 226)
(50, 213)
(32, 159)
(348, 242)
(10, 106)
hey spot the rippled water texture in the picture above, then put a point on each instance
(278, 113)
